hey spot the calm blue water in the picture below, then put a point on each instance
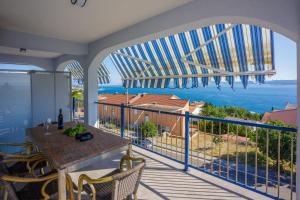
(257, 98)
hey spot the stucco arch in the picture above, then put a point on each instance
(62, 61)
(200, 13)
(190, 16)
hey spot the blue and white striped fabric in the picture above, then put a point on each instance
(192, 58)
(77, 72)
(103, 75)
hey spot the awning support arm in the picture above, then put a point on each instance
(137, 59)
(248, 73)
(210, 40)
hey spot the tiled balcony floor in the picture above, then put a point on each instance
(164, 179)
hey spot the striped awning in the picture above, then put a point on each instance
(192, 58)
(103, 75)
(77, 72)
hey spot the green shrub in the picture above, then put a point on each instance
(148, 129)
(286, 139)
(210, 110)
(217, 140)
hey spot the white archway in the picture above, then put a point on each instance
(91, 86)
(281, 16)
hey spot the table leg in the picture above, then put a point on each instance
(62, 185)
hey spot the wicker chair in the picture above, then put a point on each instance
(20, 163)
(30, 186)
(35, 188)
(27, 147)
(120, 184)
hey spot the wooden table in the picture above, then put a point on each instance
(67, 155)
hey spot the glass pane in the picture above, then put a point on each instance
(15, 107)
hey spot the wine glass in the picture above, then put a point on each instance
(46, 125)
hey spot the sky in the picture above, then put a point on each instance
(285, 61)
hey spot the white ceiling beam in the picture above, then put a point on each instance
(45, 63)
(16, 39)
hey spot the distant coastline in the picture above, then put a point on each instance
(257, 98)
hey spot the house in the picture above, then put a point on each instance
(173, 125)
(196, 107)
(288, 116)
(290, 106)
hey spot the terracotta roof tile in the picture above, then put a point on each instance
(287, 116)
(115, 98)
(159, 99)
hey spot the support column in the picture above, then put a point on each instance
(90, 95)
(298, 122)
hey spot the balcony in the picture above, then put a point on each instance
(227, 152)
(154, 44)
(164, 179)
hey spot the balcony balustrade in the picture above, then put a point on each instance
(255, 156)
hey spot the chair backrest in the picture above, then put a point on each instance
(7, 191)
(127, 182)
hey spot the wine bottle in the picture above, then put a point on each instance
(60, 121)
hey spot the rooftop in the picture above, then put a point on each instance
(144, 99)
(288, 116)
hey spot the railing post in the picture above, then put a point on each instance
(73, 107)
(187, 141)
(122, 120)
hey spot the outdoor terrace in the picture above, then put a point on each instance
(165, 179)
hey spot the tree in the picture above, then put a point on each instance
(209, 110)
(77, 94)
(148, 129)
(286, 139)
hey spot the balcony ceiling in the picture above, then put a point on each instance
(61, 20)
(29, 52)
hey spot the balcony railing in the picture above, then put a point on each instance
(259, 157)
(77, 109)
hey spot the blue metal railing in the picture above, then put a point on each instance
(221, 149)
(187, 141)
(77, 109)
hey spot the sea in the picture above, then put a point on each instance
(257, 98)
